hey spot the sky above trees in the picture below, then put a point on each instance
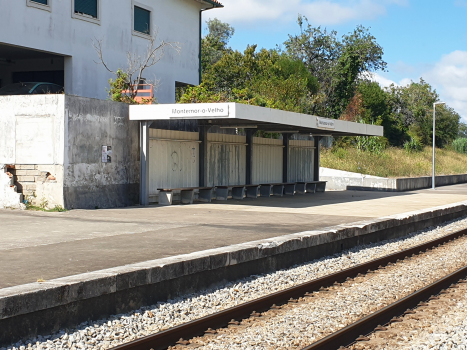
(420, 38)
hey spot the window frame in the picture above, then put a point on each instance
(48, 7)
(151, 19)
(84, 17)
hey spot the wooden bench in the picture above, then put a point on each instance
(187, 195)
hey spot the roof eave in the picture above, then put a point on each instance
(213, 3)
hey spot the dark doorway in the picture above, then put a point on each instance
(56, 77)
(20, 65)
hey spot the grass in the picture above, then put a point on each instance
(395, 162)
(56, 209)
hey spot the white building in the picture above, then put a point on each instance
(51, 40)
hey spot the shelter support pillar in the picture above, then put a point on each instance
(203, 155)
(316, 160)
(249, 156)
(144, 159)
(285, 158)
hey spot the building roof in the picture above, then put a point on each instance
(214, 3)
(235, 115)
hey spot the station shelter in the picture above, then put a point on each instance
(225, 152)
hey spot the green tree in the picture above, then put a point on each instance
(462, 130)
(265, 78)
(220, 30)
(411, 108)
(338, 64)
(214, 44)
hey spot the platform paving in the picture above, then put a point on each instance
(36, 245)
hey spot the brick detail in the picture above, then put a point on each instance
(25, 178)
(30, 187)
(28, 173)
(26, 167)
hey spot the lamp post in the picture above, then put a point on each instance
(434, 116)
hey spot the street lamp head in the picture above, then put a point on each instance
(439, 103)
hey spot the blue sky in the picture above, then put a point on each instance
(420, 38)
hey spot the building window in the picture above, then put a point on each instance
(142, 20)
(86, 7)
(87, 10)
(40, 4)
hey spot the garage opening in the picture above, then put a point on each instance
(21, 65)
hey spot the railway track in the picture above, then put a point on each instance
(440, 320)
(393, 313)
(233, 316)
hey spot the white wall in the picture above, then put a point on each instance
(32, 129)
(301, 160)
(57, 32)
(226, 160)
(173, 159)
(267, 160)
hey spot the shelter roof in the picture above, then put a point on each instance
(235, 115)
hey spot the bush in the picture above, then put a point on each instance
(372, 144)
(414, 145)
(460, 145)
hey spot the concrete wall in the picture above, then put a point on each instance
(343, 180)
(60, 32)
(338, 180)
(88, 182)
(32, 130)
(63, 136)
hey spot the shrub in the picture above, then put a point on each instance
(414, 145)
(372, 144)
(460, 145)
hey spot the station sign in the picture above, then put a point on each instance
(180, 111)
(324, 123)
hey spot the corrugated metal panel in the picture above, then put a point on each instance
(226, 160)
(173, 159)
(301, 154)
(267, 160)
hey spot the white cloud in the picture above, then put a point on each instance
(382, 81)
(385, 82)
(319, 12)
(449, 77)
(460, 3)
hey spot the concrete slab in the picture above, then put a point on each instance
(47, 246)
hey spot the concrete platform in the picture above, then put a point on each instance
(92, 246)
(37, 245)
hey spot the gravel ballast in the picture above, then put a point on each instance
(103, 334)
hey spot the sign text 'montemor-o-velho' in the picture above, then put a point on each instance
(221, 111)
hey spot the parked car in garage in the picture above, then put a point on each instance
(31, 88)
